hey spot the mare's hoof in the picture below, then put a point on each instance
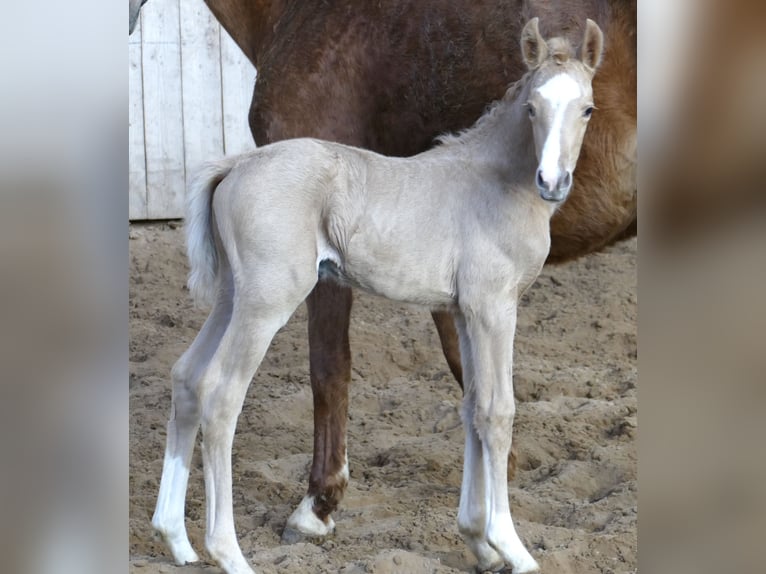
(293, 536)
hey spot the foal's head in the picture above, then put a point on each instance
(560, 102)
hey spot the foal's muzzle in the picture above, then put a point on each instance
(554, 190)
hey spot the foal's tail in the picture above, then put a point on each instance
(200, 241)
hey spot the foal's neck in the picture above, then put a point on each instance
(502, 140)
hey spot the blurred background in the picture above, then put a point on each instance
(63, 303)
(702, 278)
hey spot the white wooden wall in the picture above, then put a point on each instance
(190, 90)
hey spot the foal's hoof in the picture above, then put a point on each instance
(293, 536)
(492, 568)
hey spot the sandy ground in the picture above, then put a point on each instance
(575, 494)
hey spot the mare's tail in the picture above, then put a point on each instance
(200, 241)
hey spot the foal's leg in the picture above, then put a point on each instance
(450, 341)
(472, 514)
(329, 307)
(182, 427)
(221, 394)
(490, 329)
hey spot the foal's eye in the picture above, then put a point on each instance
(588, 111)
(531, 110)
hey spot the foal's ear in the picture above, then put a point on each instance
(533, 46)
(592, 46)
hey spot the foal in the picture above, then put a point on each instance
(463, 227)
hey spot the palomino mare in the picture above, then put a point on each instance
(463, 227)
(391, 77)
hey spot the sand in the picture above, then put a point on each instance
(574, 499)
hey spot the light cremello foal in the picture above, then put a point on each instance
(463, 226)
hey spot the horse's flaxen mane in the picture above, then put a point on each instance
(487, 117)
(560, 51)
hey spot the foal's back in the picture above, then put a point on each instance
(388, 225)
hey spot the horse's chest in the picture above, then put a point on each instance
(505, 259)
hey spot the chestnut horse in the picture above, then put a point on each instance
(390, 77)
(463, 227)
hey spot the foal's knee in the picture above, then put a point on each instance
(494, 423)
(185, 392)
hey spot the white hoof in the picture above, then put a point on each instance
(503, 538)
(519, 560)
(183, 553)
(488, 559)
(307, 523)
(178, 544)
(526, 566)
(229, 557)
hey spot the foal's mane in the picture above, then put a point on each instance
(560, 51)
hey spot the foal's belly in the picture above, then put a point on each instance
(408, 282)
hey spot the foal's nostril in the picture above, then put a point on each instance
(540, 180)
(566, 180)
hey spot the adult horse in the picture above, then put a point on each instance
(390, 77)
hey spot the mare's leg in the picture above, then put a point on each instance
(448, 335)
(450, 341)
(490, 329)
(472, 515)
(182, 427)
(329, 308)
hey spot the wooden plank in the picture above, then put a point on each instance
(201, 77)
(136, 154)
(163, 109)
(238, 79)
